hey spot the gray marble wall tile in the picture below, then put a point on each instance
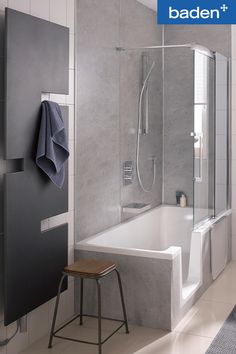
(97, 162)
(214, 37)
(138, 25)
(108, 86)
(98, 23)
(98, 181)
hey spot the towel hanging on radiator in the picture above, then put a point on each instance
(52, 149)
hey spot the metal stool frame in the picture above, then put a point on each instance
(100, 342)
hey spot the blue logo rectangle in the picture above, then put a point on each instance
(196, 12)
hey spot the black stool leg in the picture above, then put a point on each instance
(55, 311)
(122, 301)
(99, 317)
(81, 300)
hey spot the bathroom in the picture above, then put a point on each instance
(149, 116)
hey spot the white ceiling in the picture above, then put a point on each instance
(152, 4)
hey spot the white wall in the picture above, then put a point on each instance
(39, 320)
(234, 142)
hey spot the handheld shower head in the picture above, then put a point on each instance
(145, 129)
(149, 74)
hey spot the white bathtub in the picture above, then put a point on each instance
(163, 233)
(162, 252)
(158, 233)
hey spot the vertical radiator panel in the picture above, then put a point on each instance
(37, 60)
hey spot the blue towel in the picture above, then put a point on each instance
(52, 150)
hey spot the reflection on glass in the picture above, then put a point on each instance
(221, 160)
(201, 137)
(210, 136)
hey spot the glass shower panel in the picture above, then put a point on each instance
(221, 113)
(141, 126)
(178, 123)
(203, 125)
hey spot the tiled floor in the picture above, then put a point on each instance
(193, 335)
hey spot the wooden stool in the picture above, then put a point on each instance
(89, 269)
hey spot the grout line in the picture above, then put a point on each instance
(67, 5)
(49, 13)
(194, 334)
(217, 302)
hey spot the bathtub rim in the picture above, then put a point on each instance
(169, 253)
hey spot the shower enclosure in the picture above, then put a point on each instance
(169, 116)
(179, 126)
(154, 123)
(211, 135)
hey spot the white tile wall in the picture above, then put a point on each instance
(39, 320)
(71, 161)
(58, 11)
(20, 5)
(70, 97)
(234, 142)
(71, 231)
(40, 8)
(71, 123)
(70, 16)
(3, 4)
(72, 51)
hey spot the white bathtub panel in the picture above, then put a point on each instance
(219, 248)
(176, 227)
